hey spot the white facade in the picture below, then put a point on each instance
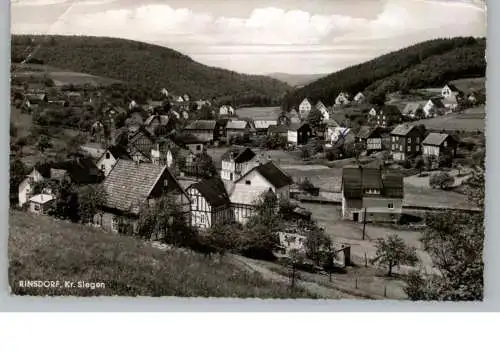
(334, 133)
(232, 171)
(447, 92)
(292, 136)
(106, 162)
(164, 92)
(374, 144)
(201, 211)
(430, 150)
(305, 106)
(26, 186)
(342, 99)
(226, 110)
(429, 109)
(359, 98)
(39, 204)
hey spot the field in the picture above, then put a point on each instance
(59, 76)
(470, 84)
(41, 248)
(471, 120)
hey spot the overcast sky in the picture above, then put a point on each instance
(260, 36)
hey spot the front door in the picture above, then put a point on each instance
(355, 217)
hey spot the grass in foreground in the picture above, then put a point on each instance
(41, 248)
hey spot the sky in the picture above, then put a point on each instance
(260, 36)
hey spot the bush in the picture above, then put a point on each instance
(442, 180)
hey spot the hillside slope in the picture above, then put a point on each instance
(425, 64)
(143, 64)
(41, 248)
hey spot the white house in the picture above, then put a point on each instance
(41, 203)
(334, 133)
(236, 161)
(359, 98)
(180, 99)
(108, 160)
(25, 188)
(257, 181)
(342, 99)
(305, 107)
(186, 98)
(433, 107)
(450, 90)
(210, 204)
(226, 110)
(324, 110)
(164, 92)
(132, 105)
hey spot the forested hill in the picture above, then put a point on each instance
(429, 63)
(147, 65)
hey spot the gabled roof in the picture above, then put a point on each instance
(237, 124)
(129, 183)
(272, 173)
(436, 139)
(80, 171)
(264, 124)
(95, 150)
(366, 132)
(119, 152)
(239, 154)
(306, 100)
(214, 191)
(436, 101)
(357, 179)
(278, 129)
(208, 125)
(412, 107)
(452, 87)
(402, 129)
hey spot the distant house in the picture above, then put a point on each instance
(336, 133)
(436, 144)
(472, 98)
(434, 107)
(450, 103)
(359, 98)
(414, 110)
(193, 144)
(324, 110)
(262, 126)
(185, 114)
(108, 159)
(299, 133)
(369, 193)
(186, 98)
(370, 138)
(32, 101)
(405, 141)
(236, 161)
(450, 90)
(387, 116)
(41, 203)
(342, 99)
(164, 92)
(293, 116)
(203, 130)
(129, 187)
(132, 105)
(210, 204)
(139, 145)
(305, 107)
(93, 150)
(258, 180)
(136, 118)
(226, 110)
(372, 114)
(279, 130)
(238, 128)
(81, 171)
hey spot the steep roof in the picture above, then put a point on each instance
(402, 129)
(239, 154)
(272, 173)
(213, 191)
(453, 87)
(207, 125)
(238, 124)
(356, 179)
(438, 102)
(130, 183)
(412, 107)
(119, 152)
(435, 138)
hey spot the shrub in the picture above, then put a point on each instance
(442, 180)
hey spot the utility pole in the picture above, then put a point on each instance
(364, 223)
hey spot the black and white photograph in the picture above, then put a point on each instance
(264, 149)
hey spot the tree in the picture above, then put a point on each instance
(393, 252)
(443, 180)
(317, 243)
(419, 163)
(17, 173)
(314, 118)
(90, 199)
(66, 206)
(205, 166)
(44, 143)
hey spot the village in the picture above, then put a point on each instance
(347, 174)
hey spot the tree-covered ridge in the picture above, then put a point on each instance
(147, 65)
(425, 64)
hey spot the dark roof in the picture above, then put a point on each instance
(453, 87)
(437, 101)
(240, 154)
(129, 183)
(298, 126)
(391, 110)
(277, 129)
(80, 171)
(364, 132)
(214, 191)
(402, 129)
(356, 179)
(119, 152)
(208, 125)
(273, 174)
(412, 107)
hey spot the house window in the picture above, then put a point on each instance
(36, 207)
(202, 218)
(409, 139)
(108, 155)
(231, 176)
(248, 182)
(198, 147)
(408, 148)
(103, 167)
(114, 224)
(390, 205)
(418, 148)
(445, 144)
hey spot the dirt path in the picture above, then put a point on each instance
(318, 290)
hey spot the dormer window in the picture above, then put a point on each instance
(248, 182)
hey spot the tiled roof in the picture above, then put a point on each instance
(130, 183)
(208, 125)
(272, 173)
(356, 179)
(364, 132)
(94, 150)
(435, 139)
(240, 154)
(450, 100)
(237, 124)
(213, 191)
(119, 152)
(402, 129)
